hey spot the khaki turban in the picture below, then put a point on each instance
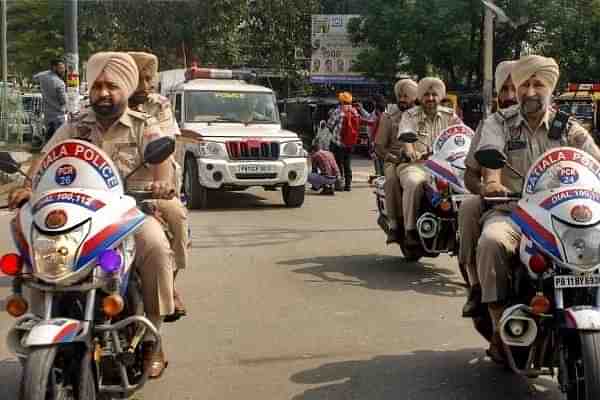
(145, 61)
(544, 68)
(427, 84)
(119, 67)
(503, 71)
(345, 97)
(406, 87)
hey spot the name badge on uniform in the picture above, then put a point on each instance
(516, 144)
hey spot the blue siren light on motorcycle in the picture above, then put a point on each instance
(109, 261)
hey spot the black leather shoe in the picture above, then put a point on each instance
(412, 238)
(393, 236)
(473, 306)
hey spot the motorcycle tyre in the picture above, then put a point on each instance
(34, 378)
(590, 353)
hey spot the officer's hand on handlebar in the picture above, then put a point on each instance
(18, 197)
(162, 190)
(410, 155)
(495, 189)
(392, 158)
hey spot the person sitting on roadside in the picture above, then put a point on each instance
(325, 172)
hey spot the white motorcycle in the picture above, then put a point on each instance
(553, 321)
(75, 252)
(437, 224)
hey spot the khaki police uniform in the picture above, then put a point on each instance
(124, 143)
(173, 211)
(508, 131)
(413, 176)
(386, 142)
(469, 216)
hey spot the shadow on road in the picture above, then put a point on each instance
(422, 375)
(375, 271)
(10, 371)
(215, 236)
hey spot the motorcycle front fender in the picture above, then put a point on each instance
(55, 331)
(583, 318)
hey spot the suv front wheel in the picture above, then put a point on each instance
(293, 196)
(197, 195)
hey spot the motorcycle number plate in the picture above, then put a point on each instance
(575, 281)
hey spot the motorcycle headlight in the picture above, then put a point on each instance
(581, 245)
(211, 150)
(55, 255)
(293, 149)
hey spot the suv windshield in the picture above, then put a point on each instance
(245, 107)
(581, 111)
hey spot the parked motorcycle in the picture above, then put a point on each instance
(437, 222)
(75, 254)
(553, 319)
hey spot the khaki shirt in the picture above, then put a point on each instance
(426, 128)
(386, 140)
(124, 142)
(159, 107)
(508, 131)
(470, 161)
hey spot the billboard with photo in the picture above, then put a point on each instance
(332, 51)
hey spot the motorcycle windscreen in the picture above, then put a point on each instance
(76, 164)
(563, 168)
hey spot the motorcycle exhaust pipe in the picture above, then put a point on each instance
(517, 328)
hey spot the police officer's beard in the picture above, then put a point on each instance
(138, 98)
(507, 103)
(403, 106)
(109, 110)
(533, 105)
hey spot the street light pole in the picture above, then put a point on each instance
(72, 56)
(488, 60)
(4, 44)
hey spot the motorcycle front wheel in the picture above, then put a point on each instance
(44, 379)
(584, 370)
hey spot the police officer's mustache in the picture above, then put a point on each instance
(532, 105)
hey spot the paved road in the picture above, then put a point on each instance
(309, 304)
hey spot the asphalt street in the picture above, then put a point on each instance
(310, 304)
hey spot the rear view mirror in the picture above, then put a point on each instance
(159, 150)
(8, 164)
(490, 158)
(408, 137)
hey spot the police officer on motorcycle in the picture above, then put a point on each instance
(469, 213)
(427, 120)
(522, 133)
(389, 149)
(122, 134)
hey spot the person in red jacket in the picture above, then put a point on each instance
(344, 122)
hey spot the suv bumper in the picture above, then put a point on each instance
(215, 174)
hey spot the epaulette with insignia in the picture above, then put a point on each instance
(446, 110)
(139, 114)
(156, 98)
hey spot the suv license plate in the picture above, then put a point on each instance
(575, 281)
(254, 169)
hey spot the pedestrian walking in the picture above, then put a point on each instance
(54, 96)
(344, 122)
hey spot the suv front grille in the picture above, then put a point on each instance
(252, 150)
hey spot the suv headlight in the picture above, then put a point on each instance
(55, 255)
(581, 245)
(293, 149)
(211, 150)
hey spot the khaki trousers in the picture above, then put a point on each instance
(498, 244)
(469, 228)
(393, 195)
(154, 263)
(175, 215)
(412, 179)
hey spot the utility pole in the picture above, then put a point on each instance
(4, 44)
(72, 56)
(488, 60)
